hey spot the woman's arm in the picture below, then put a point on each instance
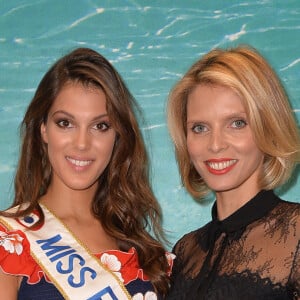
(9, 285)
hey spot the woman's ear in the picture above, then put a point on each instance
(44, 132)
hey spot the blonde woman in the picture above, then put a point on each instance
(235, 134)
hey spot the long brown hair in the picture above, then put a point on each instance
(124, 201)
(249, 75)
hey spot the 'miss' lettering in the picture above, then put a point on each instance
(53, 249)
(71, 278)
(56, 252)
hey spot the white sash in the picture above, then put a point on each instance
(75, 272)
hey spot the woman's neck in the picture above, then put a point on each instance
(66, 202)
(230, 201)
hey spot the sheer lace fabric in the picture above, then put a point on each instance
(253, 254)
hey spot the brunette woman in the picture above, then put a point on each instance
(79, 224)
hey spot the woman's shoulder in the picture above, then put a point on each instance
(190, 240)
(295, 203)
(289, 208)
(15, 258)
(285, 217)
(125, 264)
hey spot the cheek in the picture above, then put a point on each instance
(194, 147)
(56, 143)
(258, 156)
(105, 145)
(247, 146)
(250, 150)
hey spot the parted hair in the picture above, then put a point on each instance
(271, 118)
(124, 201)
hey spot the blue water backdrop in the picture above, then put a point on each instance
(151, 43)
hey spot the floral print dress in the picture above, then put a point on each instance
(15, 259)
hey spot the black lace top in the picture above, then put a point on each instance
(252, 254)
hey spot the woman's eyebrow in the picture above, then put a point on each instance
(73, 117)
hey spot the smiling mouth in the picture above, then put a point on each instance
(79, 163)
(221, 165)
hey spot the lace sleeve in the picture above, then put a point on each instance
(295, 274)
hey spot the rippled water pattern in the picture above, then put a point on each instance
(151, 43)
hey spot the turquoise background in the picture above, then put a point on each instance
(151, 43)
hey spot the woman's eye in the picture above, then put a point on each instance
(64, 123)
(103, 126)
(199, 128)
(239, 124)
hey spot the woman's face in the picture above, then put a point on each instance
(220, 141)
(79, 137)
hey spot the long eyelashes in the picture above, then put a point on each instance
(198, 128)
(65, 123)
(202, 128)
(239, 124)
(103, 126)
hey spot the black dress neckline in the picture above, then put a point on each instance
(252, 254)
(232, 227)
(254, 209)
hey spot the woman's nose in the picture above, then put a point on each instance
(217, 141)
(82, 139)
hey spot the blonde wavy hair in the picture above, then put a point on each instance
(271, 117)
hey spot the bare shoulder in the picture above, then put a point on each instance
(9, 285)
